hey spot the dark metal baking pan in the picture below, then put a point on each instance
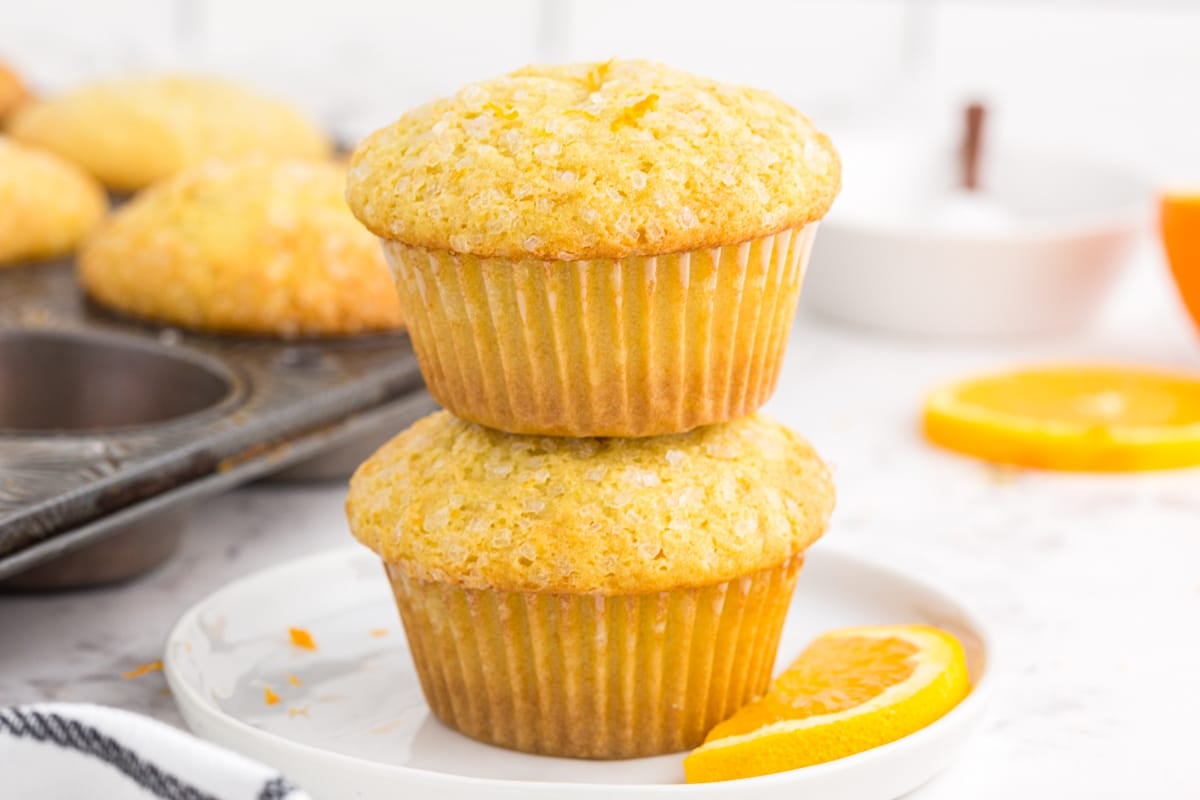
(106, 422)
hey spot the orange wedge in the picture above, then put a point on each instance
(1098, 419)
(850, 690)
(1179, 224)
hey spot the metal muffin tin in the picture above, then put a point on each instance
(110, 428)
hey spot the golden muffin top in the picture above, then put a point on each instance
(460, 502)
(261, 246)
(601, 160)
(130, 133)
(46, 204)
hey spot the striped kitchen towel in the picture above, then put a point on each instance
(63, 750)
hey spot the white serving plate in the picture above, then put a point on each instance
(358, 729)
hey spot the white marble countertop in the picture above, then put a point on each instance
(1092, 584)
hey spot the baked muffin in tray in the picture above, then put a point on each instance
(46, 204)
(257, 246)
(131, 132)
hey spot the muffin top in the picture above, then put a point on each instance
(46, 204)
(258, 245)
(456, 501)
(12, 91)
(602, 160)
(130, 133)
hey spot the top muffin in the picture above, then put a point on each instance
(131, 133)
(603, 160)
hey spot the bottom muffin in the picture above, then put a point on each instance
(591, 675)
(594, 598)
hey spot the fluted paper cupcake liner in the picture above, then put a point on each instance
(589, 675)
(639, 346)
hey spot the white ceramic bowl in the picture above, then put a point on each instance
(1038, 254)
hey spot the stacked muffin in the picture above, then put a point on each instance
(593, 552)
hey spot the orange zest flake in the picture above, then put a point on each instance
(294, 681)
(379, 633)
(302, 638)
(153, 666)
(633, 113)
(269, 697)
(501, 112)
(298, 711)
(597, 75)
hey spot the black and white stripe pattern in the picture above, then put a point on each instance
(276, 789)
(79, 738)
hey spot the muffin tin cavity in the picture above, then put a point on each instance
(132, 550)
(56, 383)
(110, 427)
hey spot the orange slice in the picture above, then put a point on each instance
(850, 690)
(1179, 224)
(1100, 419)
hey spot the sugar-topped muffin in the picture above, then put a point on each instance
(485, 509)
(592, 161)
(254, 246)
(598, 249)
(132, 132)
(46, 204)
(522, 565)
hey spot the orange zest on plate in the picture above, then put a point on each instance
(852, 689)
(302, 638)
(294, 681)
(1092, 419)
(269, 697)
(137, 672)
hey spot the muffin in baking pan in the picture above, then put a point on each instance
(46, 204)
(132, 132)
(256, 246)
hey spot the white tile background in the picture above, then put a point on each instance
(1117, 78)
